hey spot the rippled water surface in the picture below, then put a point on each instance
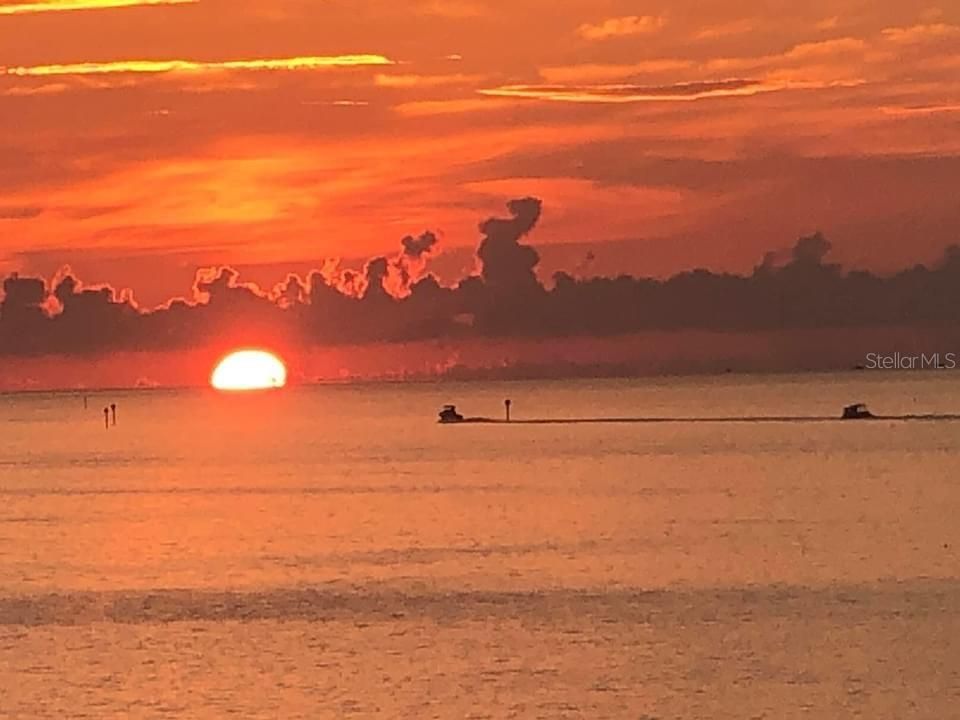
(332, 552)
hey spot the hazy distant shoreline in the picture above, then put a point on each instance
(493, 378)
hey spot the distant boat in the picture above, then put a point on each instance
(449, 414)
(858, 411)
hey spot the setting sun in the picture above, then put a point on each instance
(249, 370)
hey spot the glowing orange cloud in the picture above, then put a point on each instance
(310, 62)
(71, 5)
(208, 139)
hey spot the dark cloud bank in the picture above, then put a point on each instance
(394, 300)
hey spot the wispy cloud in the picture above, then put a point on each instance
(600, 72)
(336, 103)
(922, 109)
(171, 66)
(344, 102)
(848, 60)
(425, 108)
(73, 5)
(21, 91)
(622, 26)
(678, 92)
(920, 33)
(625, 93)
(839, 59)
(829, 23)
(424, 81)
(735, 27)
(826, 48)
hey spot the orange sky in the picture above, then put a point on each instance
(139, 140)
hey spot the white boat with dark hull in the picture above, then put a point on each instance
(857, 411)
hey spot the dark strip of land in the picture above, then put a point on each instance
(690, 420)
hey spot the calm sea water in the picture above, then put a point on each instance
(331, 552)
